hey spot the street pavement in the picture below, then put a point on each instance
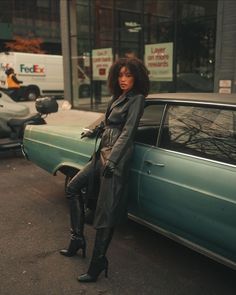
(34, 226)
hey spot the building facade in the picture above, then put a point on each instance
(31, 19)
(187, 45)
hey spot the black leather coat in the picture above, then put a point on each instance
(121, 122)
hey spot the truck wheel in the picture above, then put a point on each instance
(31, 94)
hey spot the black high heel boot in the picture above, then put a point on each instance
(75, 245)
(77, 242)
(99, 261)
(96, 268)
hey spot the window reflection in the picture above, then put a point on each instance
(204, 132)
(127, 26)
(196, 46)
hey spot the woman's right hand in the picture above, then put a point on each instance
(91, 133)
(88, 133)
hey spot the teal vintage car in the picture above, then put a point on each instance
(183, 174)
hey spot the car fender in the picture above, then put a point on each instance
(67, 168)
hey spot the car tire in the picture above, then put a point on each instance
(31, 93)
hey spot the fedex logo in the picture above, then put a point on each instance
(32, 69)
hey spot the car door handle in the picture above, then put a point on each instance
(148, 162)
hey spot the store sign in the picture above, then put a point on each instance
(159, 61)
(225, 86)
(225, 83)
(102, 61)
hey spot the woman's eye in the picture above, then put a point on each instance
(128, 75)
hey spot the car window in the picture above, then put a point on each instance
(205, 132)
(149, 124)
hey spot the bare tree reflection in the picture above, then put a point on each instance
(204, 132)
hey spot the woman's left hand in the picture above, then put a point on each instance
(109, 169)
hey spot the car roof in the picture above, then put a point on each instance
(215, 98)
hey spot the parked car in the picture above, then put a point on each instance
(10, 109)
(182, 178)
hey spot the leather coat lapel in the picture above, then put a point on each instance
(116, 102)
(120, 99)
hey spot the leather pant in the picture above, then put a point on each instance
(76, 201)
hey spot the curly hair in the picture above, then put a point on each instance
(136, 68)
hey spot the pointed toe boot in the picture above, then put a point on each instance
(74, 247)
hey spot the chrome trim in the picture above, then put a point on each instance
(24, 152)
(161, 124)
(150, 163)
(213, 104)
(185, 242)
(196, 157)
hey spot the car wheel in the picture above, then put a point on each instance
(31, 94)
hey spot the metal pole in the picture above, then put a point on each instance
(66, 49)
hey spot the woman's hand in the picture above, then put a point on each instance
(91, 133)
(109, 169)
(88, 133)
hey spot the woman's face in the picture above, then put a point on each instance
(126, 80)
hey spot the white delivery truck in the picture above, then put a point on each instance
(42, 74)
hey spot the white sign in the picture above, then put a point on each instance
(159, 61)
(225, 90)
(225, 83)
(102, 61)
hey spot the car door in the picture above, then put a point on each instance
(187, 182)
(146, 137)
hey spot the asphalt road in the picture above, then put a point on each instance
(34, 226)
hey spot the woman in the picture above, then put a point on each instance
(128, 82)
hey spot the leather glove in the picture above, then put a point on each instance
(88, 133)
(91, 133)
(109, 169)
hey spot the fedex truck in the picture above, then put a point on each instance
(41, 74)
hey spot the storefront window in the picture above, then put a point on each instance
(182, 33)
(196, 45)
(159, 28)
